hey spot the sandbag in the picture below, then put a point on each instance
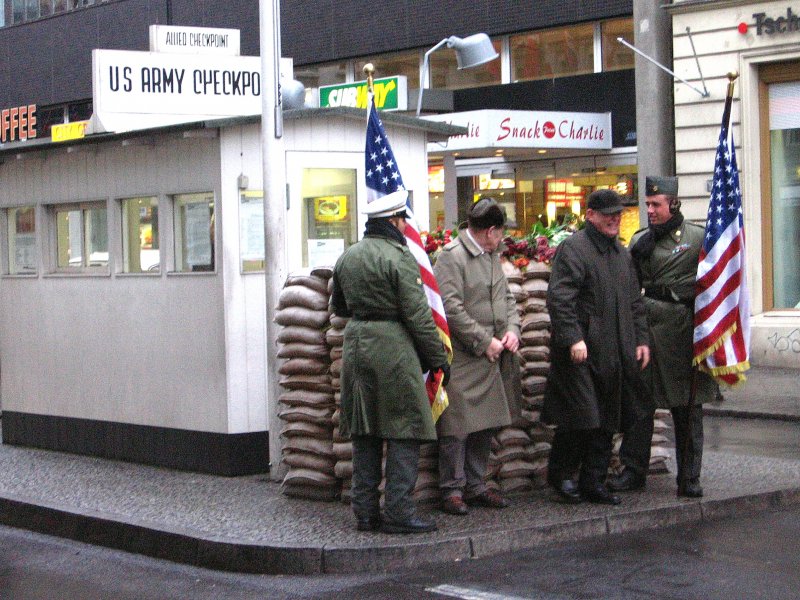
(343, 469)
(320, 416)
(535, 321)
(512, 436)
(311, 383)
(536, 368)
(303, 366)
(300, 295)
(304, 317)
(305, 460)
(306, 398)
(336, 368)
(516, 468)
(315, 283)
(310, 492)
(535, 305)
(322, 272)
(301, 335)
(338, 322)
(534, 384)
(334, 337)
(536, 337)
(310, 445)
(296, 350)
(343, 450)
(512, 273)
(535, 353)
(535, 287)
(516, 290)
(537, 270)
(516, 484)
(320, 431)
(427, 479)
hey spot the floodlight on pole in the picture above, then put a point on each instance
(471, 51)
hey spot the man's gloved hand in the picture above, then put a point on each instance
(445, 369)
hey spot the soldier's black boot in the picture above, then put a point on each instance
(627, 481)
(690, 488)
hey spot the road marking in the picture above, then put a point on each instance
(468, 594)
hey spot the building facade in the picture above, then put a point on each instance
(761, 42)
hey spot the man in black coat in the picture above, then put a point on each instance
(599, 342)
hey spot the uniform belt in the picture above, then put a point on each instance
(377, 317)
(663, 294)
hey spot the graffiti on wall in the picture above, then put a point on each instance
(786, 343)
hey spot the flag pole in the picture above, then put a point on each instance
(726, 115)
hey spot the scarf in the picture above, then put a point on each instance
(644, 246)
(382, 227)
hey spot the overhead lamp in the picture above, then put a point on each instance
(471, 51)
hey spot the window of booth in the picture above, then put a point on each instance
(251, 230)
(445, 74)
(780, 104)
(81, 236)
(329, 214)
(552, 53)
(194, 232)
(22, 253)
(140, 243)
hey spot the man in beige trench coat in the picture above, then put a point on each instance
(484, 384)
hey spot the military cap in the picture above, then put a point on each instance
(388, 205)
(655, 185)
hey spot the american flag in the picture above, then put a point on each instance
(383, 177)
(722, 306)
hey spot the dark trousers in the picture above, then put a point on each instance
(586, 451)
(638, 438)
(462, 463)
(402, 462)
(688, 440)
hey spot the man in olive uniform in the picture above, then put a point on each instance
(666, 257)
(389, 342)
(598, 345)
(484, 327)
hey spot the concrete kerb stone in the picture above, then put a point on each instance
(225, 554)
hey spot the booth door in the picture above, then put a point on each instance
(323, 217)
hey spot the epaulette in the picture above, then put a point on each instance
(450, 245)
(693, 224)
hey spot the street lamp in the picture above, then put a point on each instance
(471, 51)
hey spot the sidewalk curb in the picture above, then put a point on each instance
(286, 559)
(713, 411)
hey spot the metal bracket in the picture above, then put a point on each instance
(704, 93)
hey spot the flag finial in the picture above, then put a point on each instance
(369, 69)
(732, 77)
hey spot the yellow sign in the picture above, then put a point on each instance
(68, 131)
(330, 208)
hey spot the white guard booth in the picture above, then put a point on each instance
(132, 285)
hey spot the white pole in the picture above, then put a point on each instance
(273, 159)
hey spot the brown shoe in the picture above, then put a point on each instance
(454, 505)
(488, 499)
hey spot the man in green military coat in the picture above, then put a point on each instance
(389, 342)
(666, 257)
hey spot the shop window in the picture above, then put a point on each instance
(784, 152)
(22, 253)
(323, 74)
(444, 72)
(140, 244)
(194, 232)
(81, 236)
(328, 213)
(394, 64)
(552, 53)
(616, 56)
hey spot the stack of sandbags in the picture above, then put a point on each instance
(307, 400)
(426, 491)
(342, 447)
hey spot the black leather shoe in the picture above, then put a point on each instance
(566, 491)
(599, 494)
(627, 481)
(454, 505)
(488, 499)
(690, 488)
(369, 524)
(413, 525)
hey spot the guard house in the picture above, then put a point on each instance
(132, 282)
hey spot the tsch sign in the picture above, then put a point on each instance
(526, 129)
